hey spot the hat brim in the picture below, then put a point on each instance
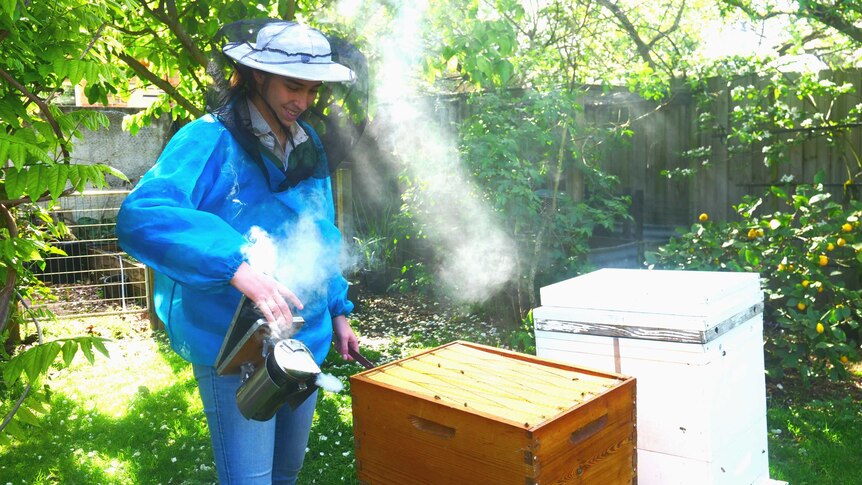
(307, 71)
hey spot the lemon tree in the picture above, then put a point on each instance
(808, 255)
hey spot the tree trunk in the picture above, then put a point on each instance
(287, 9)
(7, 293)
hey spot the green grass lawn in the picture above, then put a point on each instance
(136, 418)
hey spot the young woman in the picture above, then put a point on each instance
(247, 172)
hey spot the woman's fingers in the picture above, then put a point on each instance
(289, 297)
(345, 338)
(272, 298)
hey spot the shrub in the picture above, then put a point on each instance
(807, 254)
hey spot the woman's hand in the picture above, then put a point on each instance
(343, 337)
(272, 298)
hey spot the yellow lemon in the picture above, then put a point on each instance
(703, 217)
(805, 283)
(820, 328)
(840, 242)
(820, 289)
(847, 227)
(801, 306)
(759, 232)
(830, 247)
(781, 266)
(844, 359)
(822, 260)
(752, 234)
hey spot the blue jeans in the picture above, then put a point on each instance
(249, 452)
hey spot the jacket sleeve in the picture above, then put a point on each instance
(160, 222)
(338, 302)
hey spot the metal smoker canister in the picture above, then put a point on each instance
(286, 377)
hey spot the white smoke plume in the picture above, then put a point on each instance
(300, 259)
(328, 382)
(477, 256)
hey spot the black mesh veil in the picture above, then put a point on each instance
(340, 113)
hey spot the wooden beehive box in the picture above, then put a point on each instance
(464, 413)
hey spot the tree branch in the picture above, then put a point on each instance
(172, 20)
(167, 14)
(160, 83)
(11, 275)
(43, 107)
(287, 9)
(642, 48)
(664, 33)
(832, 17)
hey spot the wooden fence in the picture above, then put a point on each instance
(663, 132)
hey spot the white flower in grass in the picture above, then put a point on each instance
(173, 459)
(323, 438)
(346, 453)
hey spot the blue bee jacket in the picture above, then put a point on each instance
(189, 219)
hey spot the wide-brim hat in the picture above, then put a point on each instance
(291, 50)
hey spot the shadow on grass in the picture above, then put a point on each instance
(816, 441)
(158, 440)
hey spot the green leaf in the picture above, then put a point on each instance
(21, 148)
(99, 343)
(87, 349)
(43, 358)
(8, 6)
(112, 171)
(26, 416)
(26, 250)
(70, 348)
(15, 430)
(15, 183)
(12, 370)
(56, 178)
(35, 184)
(505, 70)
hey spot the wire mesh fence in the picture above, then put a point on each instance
(95, 277)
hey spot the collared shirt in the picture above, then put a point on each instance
(264, 133)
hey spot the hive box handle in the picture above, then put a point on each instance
(431, 427)
(589, 429)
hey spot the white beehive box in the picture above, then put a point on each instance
(694, 342)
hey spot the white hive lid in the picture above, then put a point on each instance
(656, 299)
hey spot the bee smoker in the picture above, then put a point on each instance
(273, 372)
(286, 376)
